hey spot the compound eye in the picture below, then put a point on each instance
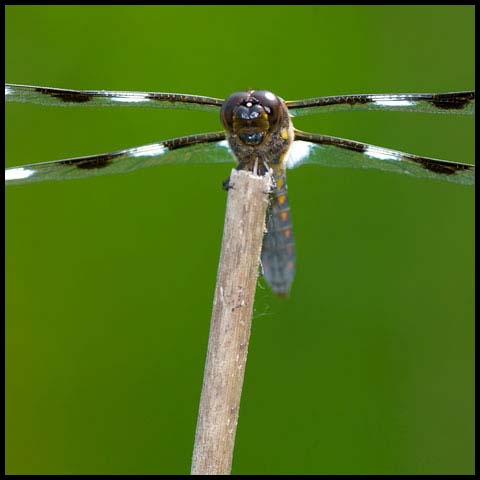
(271, 104)
(230, 106)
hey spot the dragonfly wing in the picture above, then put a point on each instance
(462, 103)
(102, 98)
(201, 148)
(340, 152)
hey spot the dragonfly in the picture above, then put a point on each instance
(258, 134)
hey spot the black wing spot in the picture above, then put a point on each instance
(100, 161)
(447, 102)
(441, 168)
(66, 96)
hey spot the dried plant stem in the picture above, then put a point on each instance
(230, 324)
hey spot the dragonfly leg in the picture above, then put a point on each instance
(226, 184)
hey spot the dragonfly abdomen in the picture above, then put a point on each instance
(278, 253)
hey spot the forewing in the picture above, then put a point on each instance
(459, 103)
(102, 98)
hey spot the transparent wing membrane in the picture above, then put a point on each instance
(338, 152)
(202, 148)
(459, 103)
(103, 98)
(213, 148)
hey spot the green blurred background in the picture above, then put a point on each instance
(366, 369)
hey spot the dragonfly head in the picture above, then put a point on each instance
(251, 115)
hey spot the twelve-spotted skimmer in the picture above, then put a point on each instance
(259, 135)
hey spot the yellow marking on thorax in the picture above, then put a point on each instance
(280, 183)
(281, 199)
(284, 134)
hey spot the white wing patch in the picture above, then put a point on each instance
(393, 103)
(153, 150)
(298, 152)
(224, 144)
(130, 98)
(18, 173)
(381, 154)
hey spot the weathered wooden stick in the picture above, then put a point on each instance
(230, 324)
